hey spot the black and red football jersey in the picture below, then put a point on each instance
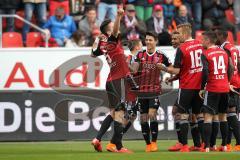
(217, 62)
(188, 59)
(233, 52)
(112, 48)
(148, 77)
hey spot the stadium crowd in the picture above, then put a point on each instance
(74, 23)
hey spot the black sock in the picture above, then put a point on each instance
(215, 128)
(146, 132)
(154, 130)
(233, 123)
(207, 127)
(229, 138)
(184, 131)
(200, 128)
(195, 134)
(104, 127)
(177, 127)
(117, 136)
(125, 129)
(224, 132)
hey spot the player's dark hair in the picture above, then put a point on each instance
(152, 34)
(222, 32)
(133, 43)
(211, 35)
(175, 32)
(104, 25)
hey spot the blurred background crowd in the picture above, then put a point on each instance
(75, 23)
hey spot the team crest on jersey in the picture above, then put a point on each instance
(110, 46)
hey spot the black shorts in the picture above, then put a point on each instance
(215, 103)
(189, 101)
(234, 99)
(145, 103)
(116, 91)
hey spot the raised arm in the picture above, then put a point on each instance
(116, 26)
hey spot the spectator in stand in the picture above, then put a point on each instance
(183, 16)
(131, 26)
(107, 8)
(53, 4)
(169, 12)
(51, 41)
(194, 8)
(78, 40)
(61, 26)
(30, 6)
(158, 24)
(143, 8)
(236, 8)
(9, 7)
(214, 15)
(89, 24)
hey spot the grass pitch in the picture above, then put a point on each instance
(76, 150)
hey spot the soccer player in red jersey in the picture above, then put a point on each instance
(217, 72)
(176, 41)
(109, 44)
(148, 77)
(131, 108)
(232, 119)
(189, 67)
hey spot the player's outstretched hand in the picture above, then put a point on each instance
(202, 93)
(120, 12)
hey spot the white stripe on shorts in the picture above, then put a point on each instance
(179, 94)
(205, 98)
(123, 98)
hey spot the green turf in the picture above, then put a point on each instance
(83, 151)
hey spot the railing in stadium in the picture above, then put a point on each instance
(25, 21)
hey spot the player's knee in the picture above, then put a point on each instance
(208, 118)
(222, 117)
(119, 116)
(153, 118)
(184, 116)
(143, 118)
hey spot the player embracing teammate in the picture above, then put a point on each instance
(188, 66)
(109, 44)
(233, 108)
(217, 73)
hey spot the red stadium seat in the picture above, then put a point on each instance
(198, 35)
(12, 40)
(230, 16)
(4, 23)
(238, 38)
(230, 37)
(19, 23)
(33, 39)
